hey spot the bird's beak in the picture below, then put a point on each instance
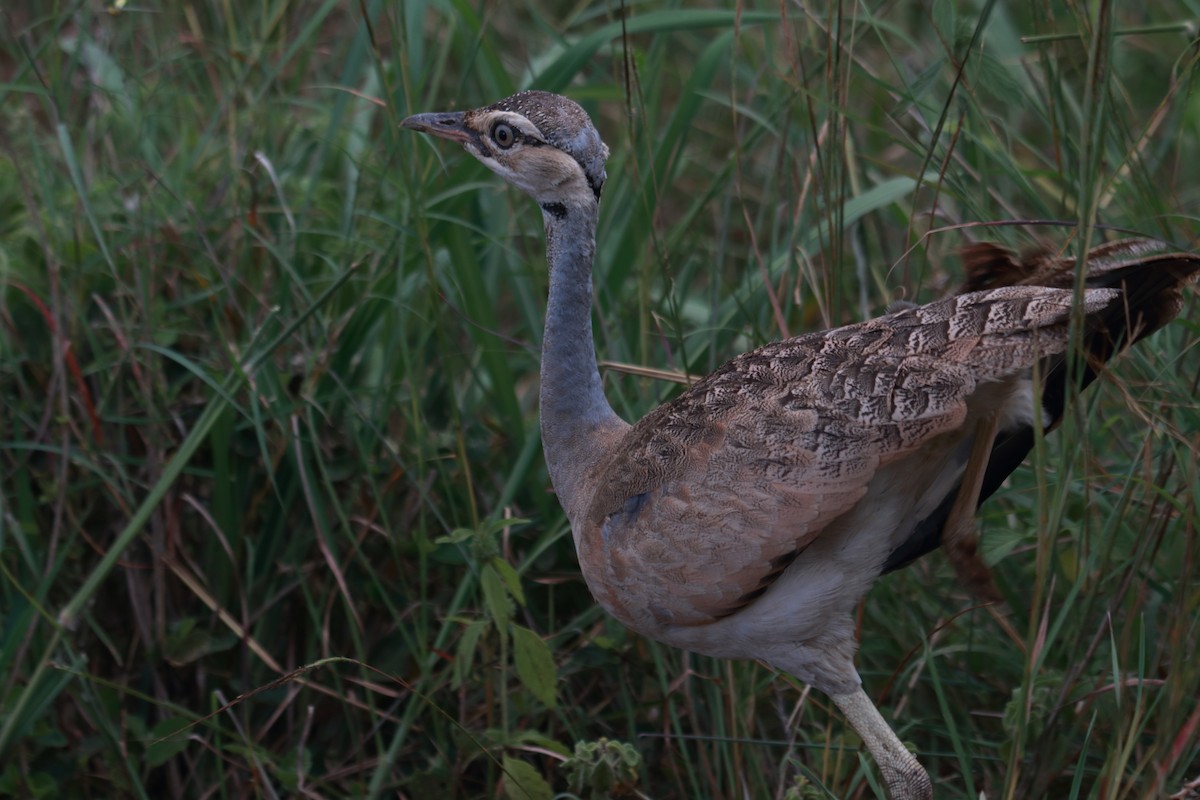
(445, 125)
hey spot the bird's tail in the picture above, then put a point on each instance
(1151, 284)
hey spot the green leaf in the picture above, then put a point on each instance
(529, 738)
(878, 196)
(523, 782)
(17, 783)
(535, 664)
(167, 739)
(102, 68)
(186, 643)
(603, 768)
(998, 542)
(944, 20)
(921, 85)
(997, 79)
(457, 536)
(465, 657)
(511, 579)
(499, 605)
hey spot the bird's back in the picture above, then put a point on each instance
(846, 441)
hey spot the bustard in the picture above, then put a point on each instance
(748, 516)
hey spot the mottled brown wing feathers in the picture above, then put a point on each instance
(716, 492)
(1151, 286)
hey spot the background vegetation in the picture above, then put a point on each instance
(274, 519)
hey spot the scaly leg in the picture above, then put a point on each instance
(904, 776)
(960, 536)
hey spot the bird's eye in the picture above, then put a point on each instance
(503, 135)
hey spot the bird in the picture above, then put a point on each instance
(748, 516)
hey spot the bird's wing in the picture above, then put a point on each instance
(709, 498)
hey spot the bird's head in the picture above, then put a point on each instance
(542, 143)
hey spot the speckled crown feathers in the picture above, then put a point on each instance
(565, 125)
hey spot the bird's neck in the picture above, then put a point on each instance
(577, 421)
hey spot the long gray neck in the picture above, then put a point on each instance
(577, 421)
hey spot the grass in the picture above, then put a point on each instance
(274, 519)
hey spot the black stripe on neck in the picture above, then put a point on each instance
(556, 210)
(595, 185)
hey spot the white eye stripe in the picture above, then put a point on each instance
(522, 129)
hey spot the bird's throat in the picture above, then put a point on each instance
(577, 421)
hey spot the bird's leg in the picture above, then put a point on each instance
(960, 537)
(904, 776)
